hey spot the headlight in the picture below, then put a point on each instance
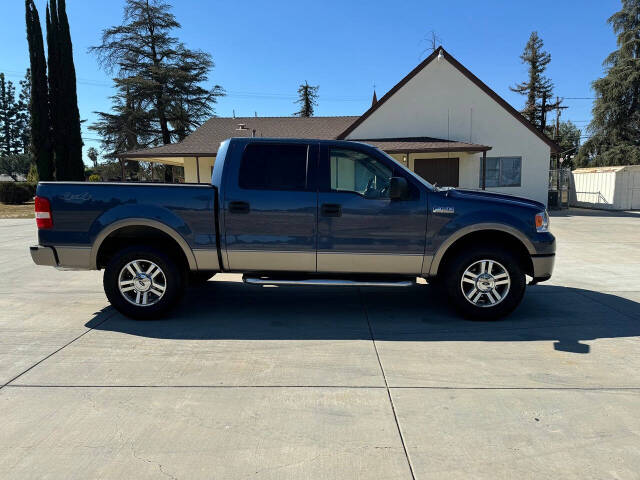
(542, 221)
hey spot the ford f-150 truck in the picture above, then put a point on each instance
(299, 212)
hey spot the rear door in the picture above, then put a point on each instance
(360, 229)
(270, 208)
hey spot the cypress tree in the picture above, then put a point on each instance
(67, 138)
(39, 102)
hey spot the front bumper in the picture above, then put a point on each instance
(43, 255)
(542, 267)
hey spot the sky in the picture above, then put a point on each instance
(264, 50)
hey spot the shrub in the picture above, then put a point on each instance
(15, 192)
(94, 177)
(32, 176)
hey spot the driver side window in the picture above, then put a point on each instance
(353, 171)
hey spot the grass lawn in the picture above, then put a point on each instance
(16, 211)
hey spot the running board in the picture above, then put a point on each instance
(326, 282)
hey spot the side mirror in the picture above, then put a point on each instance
(398, 188)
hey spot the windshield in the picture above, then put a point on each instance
(412, 173)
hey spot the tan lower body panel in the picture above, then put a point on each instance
(369, 263)
(268, 261)
(206, 259)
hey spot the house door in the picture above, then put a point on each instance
(445, 172)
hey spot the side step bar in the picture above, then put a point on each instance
(325, 282)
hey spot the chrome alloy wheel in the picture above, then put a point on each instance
(485, 283)
(142, 283)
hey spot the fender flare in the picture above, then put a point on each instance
(479, 227)
(144, 222)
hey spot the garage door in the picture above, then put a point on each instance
(442, 171)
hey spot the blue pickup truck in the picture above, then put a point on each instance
(296, 212)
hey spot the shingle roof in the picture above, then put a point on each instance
(423, 144)
(206, 139)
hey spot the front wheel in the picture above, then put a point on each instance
(142, 282)
(485, 283)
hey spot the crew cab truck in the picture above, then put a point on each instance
(296, 212)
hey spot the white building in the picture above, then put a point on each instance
(440, 120)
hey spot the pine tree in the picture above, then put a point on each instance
(128, 127)
(7, 116)
(615, 127)
(538, 89)
(67, 138)
(158, 72)
(307, 99)
(39, 102)
(23, 117)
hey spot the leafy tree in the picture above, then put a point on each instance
(537, 88)
(307, 99)
(158, 73)
(615, 126)
(568, 139)
(39, 102)
(15, 165)
(63, 98)
(92, 153)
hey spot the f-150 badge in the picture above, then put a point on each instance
(445, 210)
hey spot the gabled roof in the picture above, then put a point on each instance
(502, 102)
(205, 139)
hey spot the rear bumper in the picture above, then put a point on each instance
(43, 255)
(542, 267)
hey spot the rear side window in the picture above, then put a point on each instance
(267, 166)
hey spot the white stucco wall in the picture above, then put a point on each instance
(191, 173)
(441, 102)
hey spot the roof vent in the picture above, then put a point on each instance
(242, 127)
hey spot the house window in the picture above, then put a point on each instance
(503, 172)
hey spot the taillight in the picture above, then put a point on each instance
(43, 213)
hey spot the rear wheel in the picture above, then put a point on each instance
(484, 283)
(142, 282)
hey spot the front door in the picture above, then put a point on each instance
(444, 172)
(360, 229)
(270, 208)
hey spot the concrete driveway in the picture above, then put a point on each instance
(273, 383)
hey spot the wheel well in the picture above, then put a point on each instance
(140, 235)
(494, 238)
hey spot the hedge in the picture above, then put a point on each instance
(16, 192)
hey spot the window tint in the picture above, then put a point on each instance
(353, 171)
(267, 166)
(503, 171)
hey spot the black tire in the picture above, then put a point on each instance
(171, 284)
(492, 301)
(200, 277)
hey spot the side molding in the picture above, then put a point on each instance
(437, 258)
(134, 222)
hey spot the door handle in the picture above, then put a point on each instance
(331, 210)
(239, 207)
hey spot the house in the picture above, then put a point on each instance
(440, 120)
